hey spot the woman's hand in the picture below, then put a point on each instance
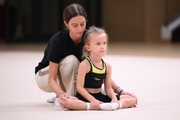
(63, 98)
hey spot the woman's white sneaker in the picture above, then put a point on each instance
(51, 99)
(56, 102)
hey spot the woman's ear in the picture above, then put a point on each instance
(66, 24)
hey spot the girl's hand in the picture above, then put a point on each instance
(114, 100)
(95, 104)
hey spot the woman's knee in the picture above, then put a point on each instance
(70, 60)
(68, 67)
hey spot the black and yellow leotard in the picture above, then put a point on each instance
(95, 77)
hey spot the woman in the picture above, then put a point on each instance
(57, 70)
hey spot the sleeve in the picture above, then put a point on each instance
(55, 50)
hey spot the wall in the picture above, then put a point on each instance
(123, 19)
(154, 18)
(172, 8)
(50, 18)
(1, 2)
(137, 20)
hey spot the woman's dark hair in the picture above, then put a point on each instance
(73, 10)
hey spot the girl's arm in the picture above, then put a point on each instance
(84, 68)
(119, 90)
(107, 84)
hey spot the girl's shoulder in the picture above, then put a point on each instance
(84, 65)
(108, 66)
(84, 62)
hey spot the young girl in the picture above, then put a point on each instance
(58, 68)
(92, 73)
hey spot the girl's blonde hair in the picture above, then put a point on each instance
(87, 37)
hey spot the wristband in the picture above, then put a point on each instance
(116, 89)
(120, 92)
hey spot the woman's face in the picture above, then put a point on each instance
(76, 26)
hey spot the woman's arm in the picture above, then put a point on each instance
(107, 83)
(53, 71)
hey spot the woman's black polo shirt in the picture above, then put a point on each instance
(60, 46)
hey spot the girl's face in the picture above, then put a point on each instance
(97, 45)
(76, 26)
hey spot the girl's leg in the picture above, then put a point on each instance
(127, 101)
(75, 104)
